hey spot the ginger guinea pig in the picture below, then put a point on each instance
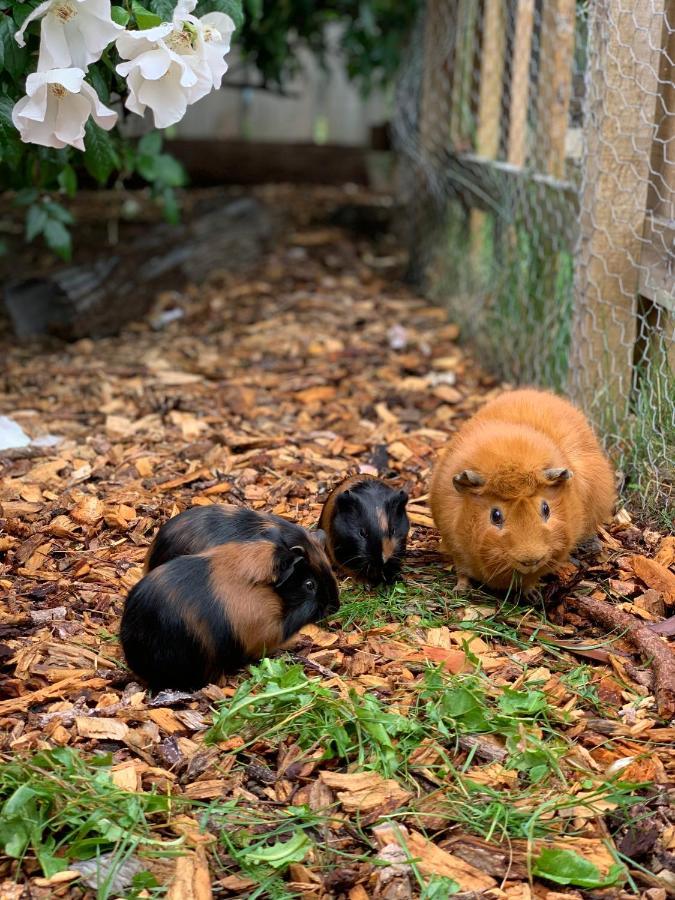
(198, 617)
(202, 527)
(366, 528)
(521, 484)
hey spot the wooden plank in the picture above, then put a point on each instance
(655, 348)
(520, 83)
(657, 262)
(623, 53)
(245, 162)
(493, 48)
(554, 83)
(436, 92)
(466, 46)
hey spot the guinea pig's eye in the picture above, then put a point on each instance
(309, 585)
(496, 516)
(545, 510)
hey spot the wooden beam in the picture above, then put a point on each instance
(521, 54)
(623, 54)
(488, 128)
(436, 90)
(554, 83)
(248, 162)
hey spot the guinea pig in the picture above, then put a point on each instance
(202, 527)
(366, 528)
(198, 617)
(520, 485)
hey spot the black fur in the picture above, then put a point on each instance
(202, 527)
(158, 644)
(357, 535)
(158, 622)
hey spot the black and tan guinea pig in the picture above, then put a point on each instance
(197, 617)
(202, 527)
(366, 528)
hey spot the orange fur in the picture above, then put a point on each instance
(509, 443)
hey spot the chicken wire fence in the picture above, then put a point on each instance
(537, 149)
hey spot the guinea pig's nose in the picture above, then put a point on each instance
(530, 562)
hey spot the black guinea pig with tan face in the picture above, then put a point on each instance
(197, 617)
(366, 528)
(202, 527)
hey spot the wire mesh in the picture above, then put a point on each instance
(537, 140)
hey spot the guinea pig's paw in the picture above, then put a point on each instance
(463, 582)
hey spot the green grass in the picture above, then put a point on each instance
(433, 604)
(56, 808)
(60, 808)
(280, 701)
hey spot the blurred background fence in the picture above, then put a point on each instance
(538, 145)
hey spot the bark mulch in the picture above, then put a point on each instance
(424, 742)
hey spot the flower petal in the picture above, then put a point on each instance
(166, 99)
(37, 12)
(102, 115)
(72, 114)
(55, 52)
(71, 78)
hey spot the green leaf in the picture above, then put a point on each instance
(11, 148)
(568, 867)
(119, 15)
(100, 156)
(67, 179)
(36, 219)
(58, 212)
(144, 18)
(232, 8)
(170, 206)
(150, 144)
(439, 887)
(254, 9)
(58, 239)
(162, 169)
(163, 8)
(98, 77)
(522, 702)
(281, 854)
(13, 59)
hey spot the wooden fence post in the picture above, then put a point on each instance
(556, 53)
(521, 55)
(624, 42)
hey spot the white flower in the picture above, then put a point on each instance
(73, 32)
(174, 64)
(214, 42)
(56, 109)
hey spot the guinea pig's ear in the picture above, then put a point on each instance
(557, 476)
(319, 536)
(288, 560)
(400, 501)
(467, 480)
(346, 500)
